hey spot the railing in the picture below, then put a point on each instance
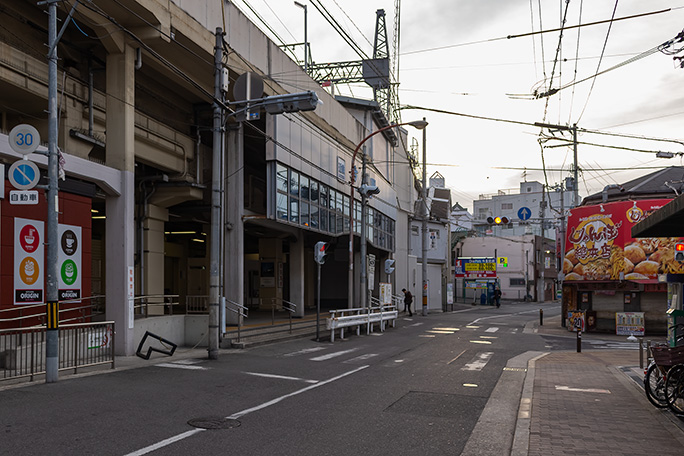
(196, 304)
(289, 307)
(239, 309)
(37, 311)
(343, 318)
(142, 308)
(22, 350)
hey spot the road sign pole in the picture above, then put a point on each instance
(52, 311)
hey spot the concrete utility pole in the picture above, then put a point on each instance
(425, 227)
(215, 252)
(542, 214)
(364, 228)
(575, 168)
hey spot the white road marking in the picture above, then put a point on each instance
(484, 342)
(582, 390)
(439, 328)
(427, 335)
(361, 358)
(280, 377)
(493, 329)
(188, 361)
(437, 331)
(479, 362)
(332, 355)
(181, 366)
(237, 415)
(416, 324)
(305, 351)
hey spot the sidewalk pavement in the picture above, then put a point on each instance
(590, 403)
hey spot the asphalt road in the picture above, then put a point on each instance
(416, 389)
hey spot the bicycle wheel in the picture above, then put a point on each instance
(654, 385)
(674, 389)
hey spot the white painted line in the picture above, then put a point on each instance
(332, 355)
(488, 337)
(427, 335)
(361, 358)
(281, 377)
(583, 390)
(305, 351)
(181, 366)
(470, 385)
(493, 329)
(436, 331)
(188, 361)
(237, 415)
(416, 324)
(479, 362)
(471, 326)
(485, 342)
(166, 442)
(439, 328)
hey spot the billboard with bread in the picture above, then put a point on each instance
(599, 244)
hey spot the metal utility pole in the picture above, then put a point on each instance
(52, 268)
(363, 250)
(542, 210)
(425, 226)
(306, 38)
(215, 252)
(575, 185)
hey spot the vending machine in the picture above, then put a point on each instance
(675, 312)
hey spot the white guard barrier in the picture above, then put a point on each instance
(345, 318)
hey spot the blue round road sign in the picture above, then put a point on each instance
(524, 213)
(24, 175)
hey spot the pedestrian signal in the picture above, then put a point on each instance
(679, 252)
(319, 252)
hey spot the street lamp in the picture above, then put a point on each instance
(420, 125)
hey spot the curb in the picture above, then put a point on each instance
(521, 438)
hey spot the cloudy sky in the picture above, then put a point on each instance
(455, 57)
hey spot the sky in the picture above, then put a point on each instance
(454, 56)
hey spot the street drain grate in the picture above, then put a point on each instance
(214, 423)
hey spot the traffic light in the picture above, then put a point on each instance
(319, 252)
(291, 102)
(498, 220)
(368, 190)
(389, 266)
(679, 252)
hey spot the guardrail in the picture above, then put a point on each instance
(22, 350)
(241, 311)
(345, 318)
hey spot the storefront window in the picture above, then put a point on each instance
(294, 183)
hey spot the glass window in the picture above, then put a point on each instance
(346, 224)
(333, 201)
(294, 183)
(324, 220)
(323, 195)
(333, 222)
(304, 187)
(294, 210)
(314, 191)
(281, 178)
(304, 213)
(314, 216)
(340, 204)
(340, 224)
(345, 205)
(281, 206)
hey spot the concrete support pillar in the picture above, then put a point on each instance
(234, 209)
(120, 227)
(153, 241)
(297, 262)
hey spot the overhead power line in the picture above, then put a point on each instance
(521, 35)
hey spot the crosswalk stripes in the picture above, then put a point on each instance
(478, 362)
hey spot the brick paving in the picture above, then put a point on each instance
(581, 418)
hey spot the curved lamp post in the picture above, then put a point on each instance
(420, 125)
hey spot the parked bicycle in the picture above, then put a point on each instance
(667, 364)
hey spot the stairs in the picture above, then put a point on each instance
(267, 333)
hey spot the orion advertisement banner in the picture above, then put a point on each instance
(599, 244)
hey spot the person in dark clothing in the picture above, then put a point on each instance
(497, 297)
(408, 299)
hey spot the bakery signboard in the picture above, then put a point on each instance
(600, 246)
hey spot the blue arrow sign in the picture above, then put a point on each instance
(524, 213)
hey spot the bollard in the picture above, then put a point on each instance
(541, 317)
(641, 353)
(579, 341)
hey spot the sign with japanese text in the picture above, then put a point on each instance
(28, 261)
(629, 324)
(600, 245)
(472, 268)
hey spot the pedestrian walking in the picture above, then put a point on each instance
(408, 299)
(497, 297)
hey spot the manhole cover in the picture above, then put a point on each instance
(214, 423)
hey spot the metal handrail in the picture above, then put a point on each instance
(241, 310)
(42, 306)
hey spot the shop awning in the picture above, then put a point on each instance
(668, 221)
(644, 281)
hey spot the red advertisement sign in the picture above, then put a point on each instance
(599, 244)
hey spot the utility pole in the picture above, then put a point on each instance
(542, 214)
(425, 227)
(575, 186)
(363, 250)
(215, 252)
(52, 269)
